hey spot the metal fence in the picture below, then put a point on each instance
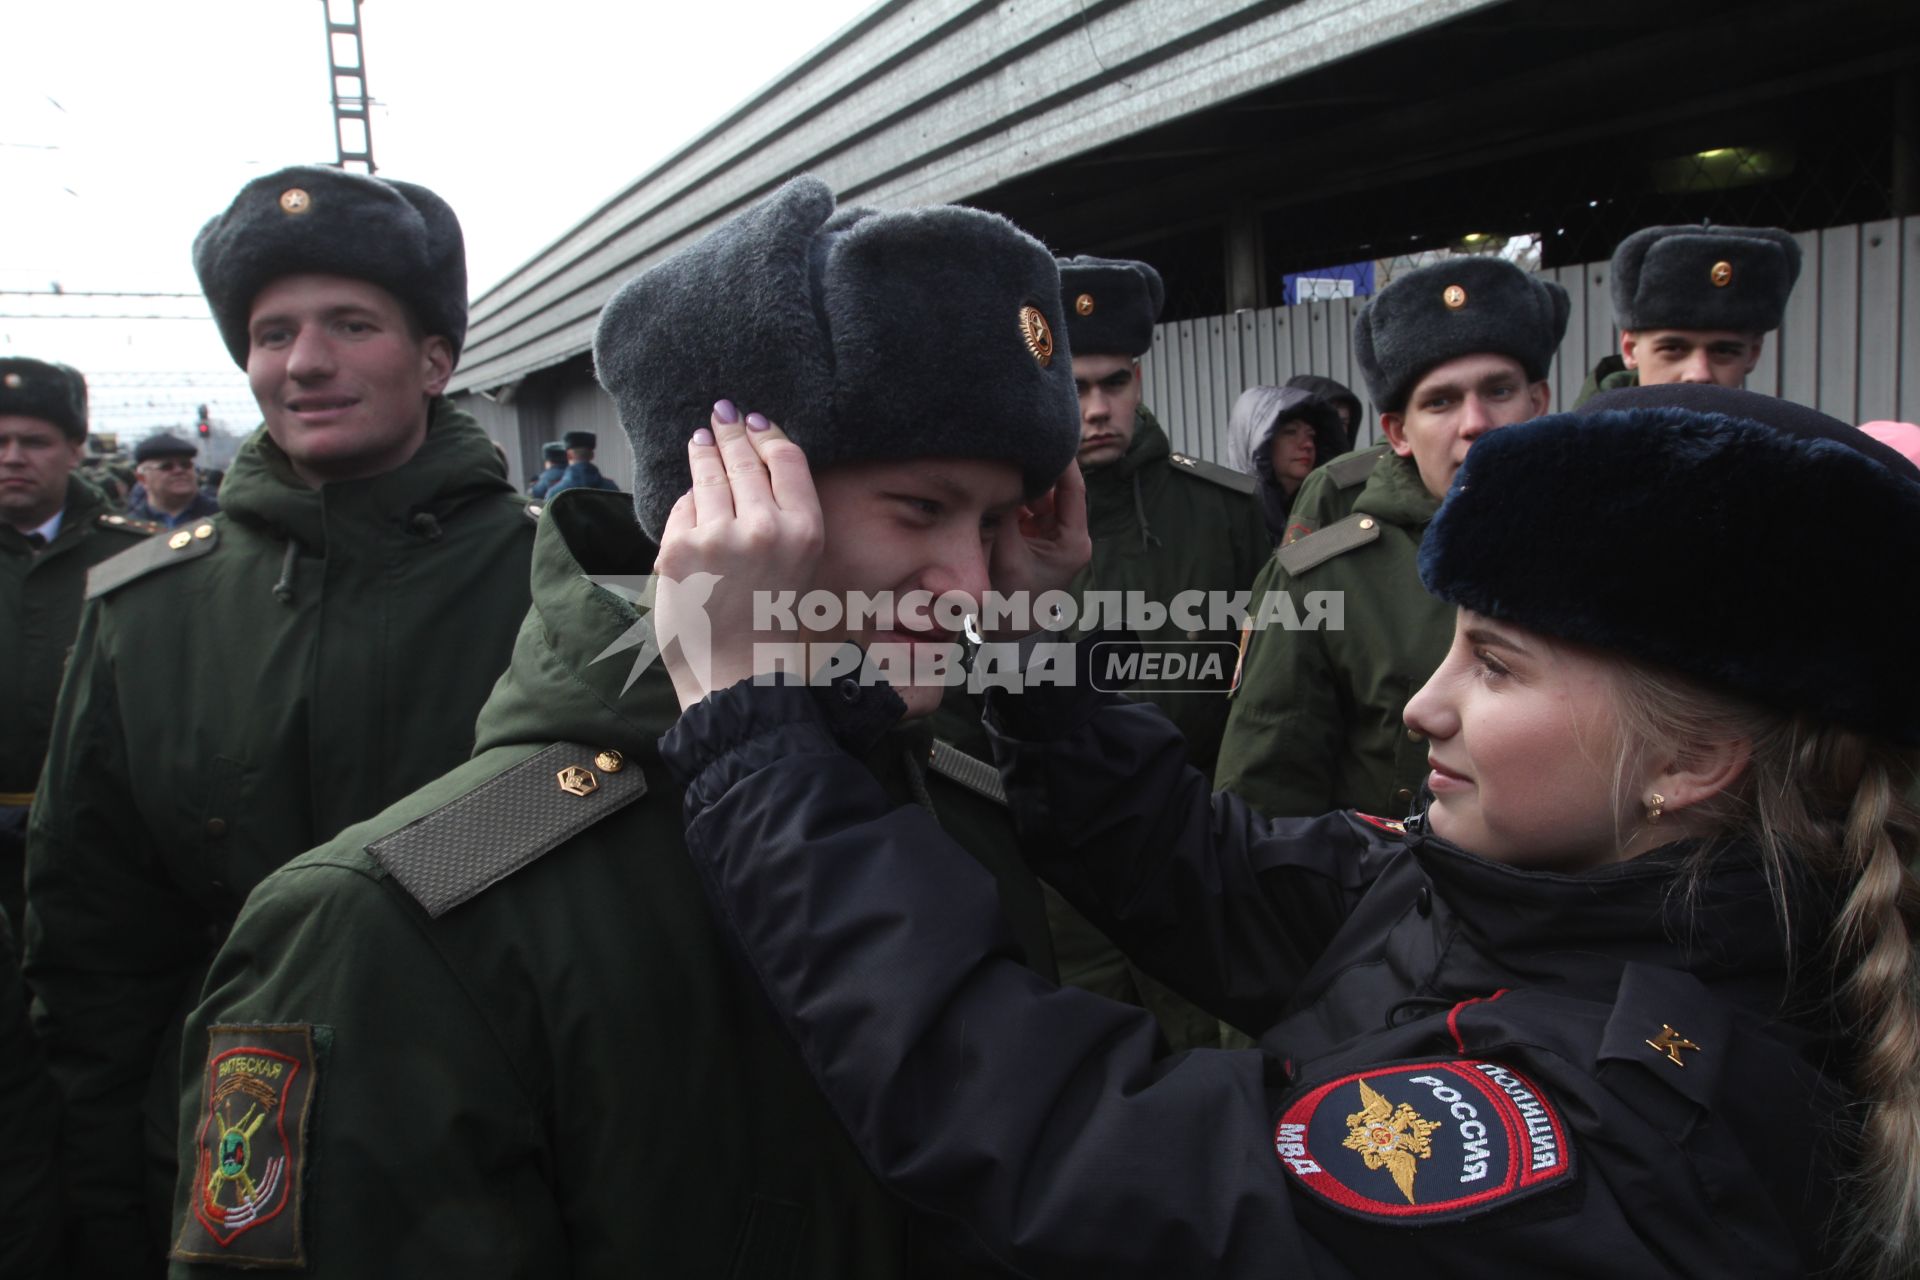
(1849, 346)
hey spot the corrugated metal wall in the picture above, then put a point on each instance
(1849, 346)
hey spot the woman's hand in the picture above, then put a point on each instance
(1047, 545)
(752, 520)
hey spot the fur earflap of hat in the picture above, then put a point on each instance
(1459, 307)
(1701, 568)
(310, 219)
(867, 335)
(1704, 277)
(45, 390)
(1111, 305)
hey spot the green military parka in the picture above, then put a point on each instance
(530, 1051)
(1316, 722)
(1163, 523)
(240, 690)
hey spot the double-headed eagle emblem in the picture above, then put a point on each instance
(1390, 1138)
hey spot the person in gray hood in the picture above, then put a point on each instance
(1278, 435)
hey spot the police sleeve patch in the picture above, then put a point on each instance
(1425, 1142)
(250, 1149)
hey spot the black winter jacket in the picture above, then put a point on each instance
(1472, 1069)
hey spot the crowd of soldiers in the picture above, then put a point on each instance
(318, 966)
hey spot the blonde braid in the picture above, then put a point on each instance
(1830, 800)
(1877, 925)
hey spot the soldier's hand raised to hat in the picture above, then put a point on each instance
(1047, 545)
(752, 523)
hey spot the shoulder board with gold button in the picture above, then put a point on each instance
(971, 772)
(507, 823)
(1350, 469)
(1225, 477)
(1357, 530)
(188, 542)
(114, 522)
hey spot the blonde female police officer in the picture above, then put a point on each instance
(1633, 996)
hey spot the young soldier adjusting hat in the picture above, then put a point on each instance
(932, 332)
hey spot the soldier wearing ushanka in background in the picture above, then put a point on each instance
(1450, 352)
(361, 588)
(580, 472)
(530, 1050)
(1695, 304)
(54, 527)
(1162, 522)
(554, 454)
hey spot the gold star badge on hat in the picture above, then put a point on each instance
(1721, 275)
(1454, 296)
(294, 200)
(15, 382)
(1038, 336)
(1084, 304)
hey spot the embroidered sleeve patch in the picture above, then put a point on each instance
(1425, 1142)
(251, 1148)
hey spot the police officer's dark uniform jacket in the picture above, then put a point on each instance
(1511, 1010)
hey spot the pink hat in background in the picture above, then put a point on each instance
(1903, 436)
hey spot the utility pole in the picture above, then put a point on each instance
(346, 59)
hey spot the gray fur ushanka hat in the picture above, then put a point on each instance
(45, 390)
(310, 219)
(932, 332)
(1460, 307)
(1695, 570)
(1732, 278)
(1111, 305)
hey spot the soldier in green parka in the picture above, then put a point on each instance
(495, 1024)
(1450, 352)
(247, 685)
(1162, 522)
(54, 527)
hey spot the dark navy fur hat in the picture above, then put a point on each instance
(42, 389)
(1459, 307)
(1731, 278)
(866, 335)
(1111, 305)
(311, 219)
(1699, 564)
(554, 451)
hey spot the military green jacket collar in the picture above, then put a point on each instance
(567, 679)
(1117, 491)
(1394, 492)
(455, 465)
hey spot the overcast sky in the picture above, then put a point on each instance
(126, 124)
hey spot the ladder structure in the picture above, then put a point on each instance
(346, 60)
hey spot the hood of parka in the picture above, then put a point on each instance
(455, 465)
(566, 680)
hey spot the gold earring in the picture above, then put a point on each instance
(1656, 805)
